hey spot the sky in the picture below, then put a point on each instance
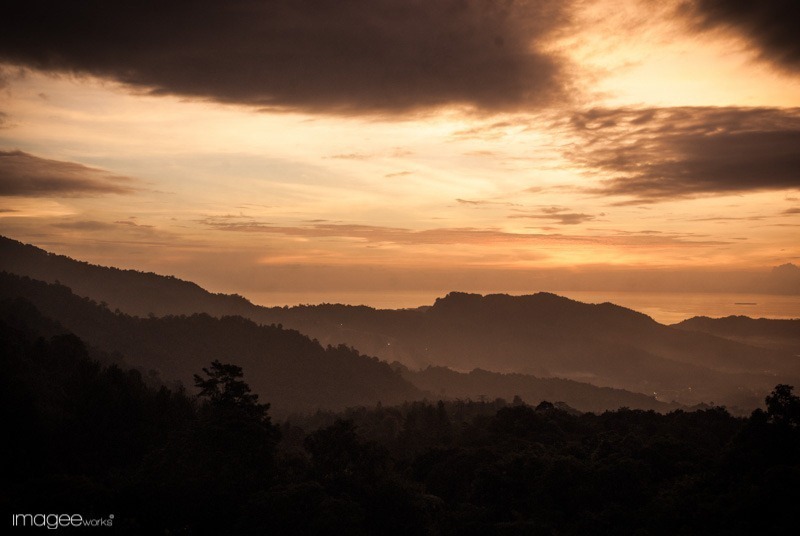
(310, 146)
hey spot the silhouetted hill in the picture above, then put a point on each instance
(291, 371)
(775, 334)
(542, 334)
(100, 440)
(551, 336)
(133, 292)
(288, 369)
(483, 384)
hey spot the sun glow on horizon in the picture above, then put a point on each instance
(597, 180)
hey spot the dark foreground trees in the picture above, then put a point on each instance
(98, 440)
(783, 407)
(205, 472)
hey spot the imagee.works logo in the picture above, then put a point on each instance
(54, 521)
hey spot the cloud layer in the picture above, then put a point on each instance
(556, 215)
(349, 56)
(771, 25)
(657, 154)
(22, 174)
(374, 234)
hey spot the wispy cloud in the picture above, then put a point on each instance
(725, 218)
(85, 225)
(558, 215)
(351, 156)
(131, 223)
(450, 235)
(23, 174)
(658, 154)
(376, 234)
(398, 174)
(112, 234)
(485, 203)
(121, 226)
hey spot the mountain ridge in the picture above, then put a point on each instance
(541, 334)
(773, 334)
(132, 291)
(294, 371)
(287, 368)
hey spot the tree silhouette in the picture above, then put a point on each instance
(225, 456)
(783, 406)
(224, 387)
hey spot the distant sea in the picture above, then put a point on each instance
(664, 307)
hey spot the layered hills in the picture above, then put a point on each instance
(541, 335)
(294, 373)
(774, 334)
(551, 336)
(131, 291)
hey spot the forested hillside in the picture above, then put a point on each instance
(296, 372)
(131, 291)
(100, 441)
(541, 335)
(774, 334)
(550, 336)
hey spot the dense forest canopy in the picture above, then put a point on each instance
(100, 439)
(212, 423)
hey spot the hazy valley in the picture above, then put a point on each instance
(539, 346)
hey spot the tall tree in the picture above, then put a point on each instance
(223, 387)
(783, 406)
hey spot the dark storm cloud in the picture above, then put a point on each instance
(660, 154)
(22, 174)
(770, 25)
(346, 56)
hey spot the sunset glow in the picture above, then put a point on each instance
(616, 138)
